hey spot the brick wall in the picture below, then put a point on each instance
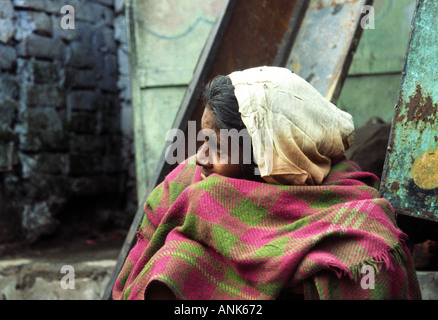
(66, 150)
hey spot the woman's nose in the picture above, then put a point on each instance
(202, 158)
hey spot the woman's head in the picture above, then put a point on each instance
(295, 133)
(221, 123)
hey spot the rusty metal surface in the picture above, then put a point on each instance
(410, 177)
(323, 49)
(253, 35)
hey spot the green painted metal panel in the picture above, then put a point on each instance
(165, 39)
(170, 36)
(383, 49)
(370, 96)
(410, 177)
(159, 106)
(373, 82)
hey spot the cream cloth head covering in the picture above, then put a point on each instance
(295, 131)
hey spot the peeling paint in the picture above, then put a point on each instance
(410, 175)
(420, 108)
(425, 170)
(395, 186)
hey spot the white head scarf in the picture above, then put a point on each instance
(296, 133)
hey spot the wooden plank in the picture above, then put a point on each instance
(254, 35)
(410, 176)
(326, 42)
(291, 33)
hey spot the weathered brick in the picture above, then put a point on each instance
(84, 12)
(85, 32)
(28, 164)
(42, 129)
(8, 135)
(96, 13)
(5, 155)
(119, 6)
(8, 148)
(123, 61)
(8, 57)
(95, 185)
(108, 3)
(126, 120)
(10, 221)
(65, 34)
(55, 187)
(120, 29)
(81, 56)
(75, 78)
(6, 9)
(8, 87)
(110, 61)
(103, 40)
(109, 73)
(37, 219)
(113, 143)
(38, 46)
(32, 21)
(77, 63)
(110, 114)
(111, 164)
(7, 30)
(29, 4)
(8, 111)
(44, 96)
(83, 122)
(83, 100)
(42, 23)
(86, 144)
(44, 72)
(124, 85)
(52, 163)
(54, 6)
(85, 164)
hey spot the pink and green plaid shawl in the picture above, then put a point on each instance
(225, 238)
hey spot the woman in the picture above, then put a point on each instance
(298, 220)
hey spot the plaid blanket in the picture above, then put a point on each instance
(225, 238)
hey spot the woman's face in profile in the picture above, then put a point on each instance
(215, 156)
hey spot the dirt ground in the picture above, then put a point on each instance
(82, 247)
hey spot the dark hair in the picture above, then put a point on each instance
(219, 97)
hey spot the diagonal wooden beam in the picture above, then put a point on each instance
(326, 42)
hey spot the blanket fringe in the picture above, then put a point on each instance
(380, 261)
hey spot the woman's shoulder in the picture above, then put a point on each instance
(347, 172)
(185, 173)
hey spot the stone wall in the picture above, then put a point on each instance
(66, 152)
